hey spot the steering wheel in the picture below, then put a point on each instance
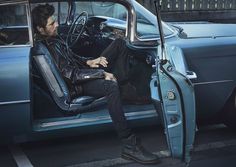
(77, 28)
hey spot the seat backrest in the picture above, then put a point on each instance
(51, 75)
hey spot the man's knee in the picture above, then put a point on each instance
(111, 87)
(120, 42)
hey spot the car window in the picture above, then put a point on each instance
(147, 26)
(146, 29)
(13, 25)
(63, 8)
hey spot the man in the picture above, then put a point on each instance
(74, 67)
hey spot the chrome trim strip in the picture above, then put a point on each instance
(91, 120)
(14, 102)
(212, 82)
(131, 24)
(12, 27)
(174, 125)
(15, 46)
(30, 31)
(156, 39)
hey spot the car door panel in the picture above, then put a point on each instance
(15, 91)
(177, 110)
(212, 60)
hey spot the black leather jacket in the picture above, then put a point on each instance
(72, 66)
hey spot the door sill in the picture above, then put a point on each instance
(86, 120)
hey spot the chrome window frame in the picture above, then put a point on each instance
(136, 38)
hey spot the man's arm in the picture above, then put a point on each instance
(96, 62)
(89, 61)
(80, 60)
(68, 67)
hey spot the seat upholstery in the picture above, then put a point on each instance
(57, 86)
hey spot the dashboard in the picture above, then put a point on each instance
(98, 34)
(106, 27)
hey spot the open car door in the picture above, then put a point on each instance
(175, 103)
(173, 95)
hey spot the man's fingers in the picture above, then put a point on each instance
(109, 76)
(103, 59)
(95, 65)
(103, 64)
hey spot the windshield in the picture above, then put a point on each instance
(147, 24)
(108, 9)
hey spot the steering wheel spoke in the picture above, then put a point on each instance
(77, 29)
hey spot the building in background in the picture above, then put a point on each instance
(195, 10)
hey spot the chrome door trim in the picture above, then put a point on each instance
(148, 113)
(14, 102)
(211, 82)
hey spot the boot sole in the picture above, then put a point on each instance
(128, 157)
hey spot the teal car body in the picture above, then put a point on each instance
(191, 79)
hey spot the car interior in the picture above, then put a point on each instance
(137, 91)
(51, 100)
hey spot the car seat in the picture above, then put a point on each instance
(56, 84)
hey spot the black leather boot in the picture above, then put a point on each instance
(133, 150)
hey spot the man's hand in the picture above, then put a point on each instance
(96, 62)
(109, 76)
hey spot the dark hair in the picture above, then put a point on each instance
(40, 15)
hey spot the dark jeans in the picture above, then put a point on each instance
(117, 55)
(101, 87)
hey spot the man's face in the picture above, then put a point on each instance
(51, 27)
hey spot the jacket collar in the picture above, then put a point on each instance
(40, 37)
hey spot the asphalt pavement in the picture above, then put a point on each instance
(214, 146)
